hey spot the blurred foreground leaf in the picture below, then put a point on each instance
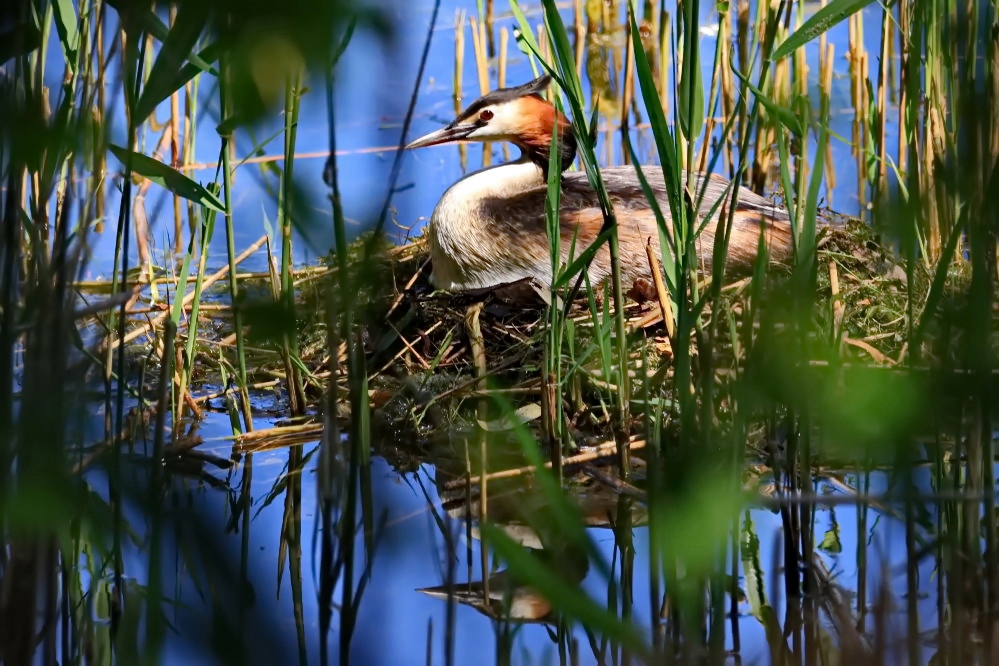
(69, 35)
(269, 319)
(168, 177)
(178, 46)
(19, 40)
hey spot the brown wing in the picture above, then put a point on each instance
(753, 214)
(520, 221)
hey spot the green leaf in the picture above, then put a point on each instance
(168, 177)
(149, 22)
(786, 117)
(66, 26)
(691, 97)
(939, 283)
(176, 49)
(565, 58)
(582, 261)
(821, 21)
(666, 147)
(146, 19)
(526, 37)
(831, 542)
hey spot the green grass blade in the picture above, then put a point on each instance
(168, 177)
(691, 89)
(66, 27)
(937, 286)
(665, 140)
(785, 115)
(665, 238)
(171, 58)
(821, 21)
(806, 242)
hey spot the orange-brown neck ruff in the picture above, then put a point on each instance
(537, 127)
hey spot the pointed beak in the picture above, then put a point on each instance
(454, 132)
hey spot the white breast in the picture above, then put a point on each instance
(465, 252)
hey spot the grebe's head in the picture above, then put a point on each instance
(518, 115)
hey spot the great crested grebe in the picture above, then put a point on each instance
(489, 227)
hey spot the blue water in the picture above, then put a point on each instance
(393, 620)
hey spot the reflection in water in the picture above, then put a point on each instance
(271, 523)
(506, 598)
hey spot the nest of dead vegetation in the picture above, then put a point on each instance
(423, 365)
(426, 369)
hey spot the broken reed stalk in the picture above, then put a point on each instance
(501, 76)
(478, 351)
(220, 274)
(580, 34)
(598, 452)
(459, 78)
(482, 72)
(289, 341)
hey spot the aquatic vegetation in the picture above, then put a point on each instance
(798, 463)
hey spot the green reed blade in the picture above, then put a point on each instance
(664, 138)
(690, 93)
(66, 23)
(168, 177)
(821, 21)
(173, 54)
(786, 116)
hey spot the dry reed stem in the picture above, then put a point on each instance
(870, 349)
(837, 303)
(270, 383)
(619, 486)
(459, 58)
(140, 219)
(144, 328)
(501, 66)
(401, 296)
(268, 433)
(402, 352)
(478, 350)
(459, 78)
(490, 20)
(887, 24)
(482, 72)
(665, 304)
(604, 450)
(135, 423)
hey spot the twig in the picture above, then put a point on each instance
(142, 329)
(604, 450)
(665, 305)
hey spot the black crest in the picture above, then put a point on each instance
(535, 88)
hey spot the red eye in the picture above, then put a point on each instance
(486, 115)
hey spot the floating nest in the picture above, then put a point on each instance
(429, 352)
(430, 356)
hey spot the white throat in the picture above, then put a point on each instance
(466, 252)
